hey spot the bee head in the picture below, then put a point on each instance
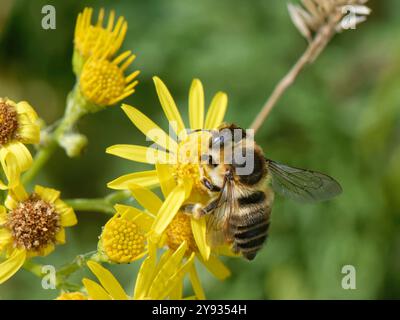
(226, 135)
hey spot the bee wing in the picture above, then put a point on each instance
(301, 184)
(218, 231)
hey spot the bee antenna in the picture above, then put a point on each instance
(198, 130)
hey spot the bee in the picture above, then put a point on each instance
(241, 201)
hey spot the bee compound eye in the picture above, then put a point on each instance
(217, 141)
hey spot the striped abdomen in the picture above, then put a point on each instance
(249, 226)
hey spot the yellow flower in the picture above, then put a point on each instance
(32, 226)
(72, 296)
(103, 83)
(163, 224)
(179, 179)
(155, 280)
(121, 240)
(18, 126)
(184, 152)
(93, 38)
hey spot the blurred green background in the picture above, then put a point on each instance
(341, 117)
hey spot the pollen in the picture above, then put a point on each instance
(72, 296)
(180, 230)
(189, 158)
(8, 122)
(122, 240)
(103, 83)
(34, 224)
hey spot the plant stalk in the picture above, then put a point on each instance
(314, 49)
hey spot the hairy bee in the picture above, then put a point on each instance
(241, 201)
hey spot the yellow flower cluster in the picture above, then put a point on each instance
(99, 71)
(31, 224)
(133, 233)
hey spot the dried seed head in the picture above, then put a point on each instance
(314, 14)
(33, 224)
(8, 122)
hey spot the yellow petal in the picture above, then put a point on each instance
(16, 195)
(196, 284)
(169, 107)
(9, 267)
(164, 258)
(47, 194)
(173, 280)
(3, 215)
(150, 129)
(24, 107)
(67, 214)
(44, 251)
(187, 184)
(10, 202)
(144, 178)
(3, 186)
(143, 220)
(108, 281)
(168, 210)
(11, 170)
(28, 132)
(139, 153)
(216, 267)
(21, 152)
(60, 236)
(95, 291)
(146, 198)
(144, 277)
(5, 238)
(196, 105)
(177, 292)
(166, 271)
(199, 229)
(216, 112)
(165, 178)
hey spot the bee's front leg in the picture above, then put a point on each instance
(210, 186)
(197, 210)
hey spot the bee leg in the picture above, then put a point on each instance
(197, 210)
(212, 187)
(193, 209)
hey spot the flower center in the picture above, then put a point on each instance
(122, 240)
(189, 157)
(34, 224)
(102, 82)
(180, 230)
(8, 122)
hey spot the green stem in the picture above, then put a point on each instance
(76, 264)
(104, 205)
(34, 268)
(64, 272)
(98, 204)
(117, 196)
(73, 112)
